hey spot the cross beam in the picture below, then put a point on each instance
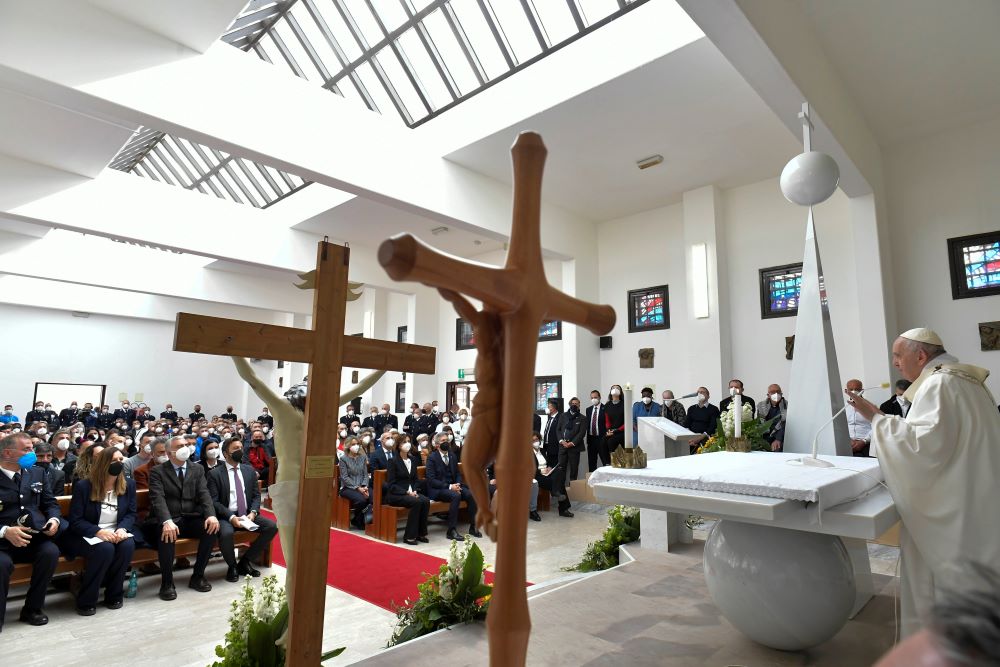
(327, 350)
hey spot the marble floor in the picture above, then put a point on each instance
(184, 632)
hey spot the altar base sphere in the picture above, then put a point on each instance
(786, 589)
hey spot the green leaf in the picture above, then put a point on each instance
(332, 654)
(473, 572)
(279, 621)
(260, 644)
(434, 614)
(481, 591)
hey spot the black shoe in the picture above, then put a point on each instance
(422, 538)
(182, 563)
(86, 611)
(534, 516)
(200, 584)
(168, 592)
(410, 542)
(245, 568)
(232, 575)
(117, 604)
(33, 616)
(453, 534)
(474, 532)
(566, 513)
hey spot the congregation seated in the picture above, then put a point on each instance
(444, 482)
(158, 455)
(702, 418)
(89, 450)
(404, 491)
(233, 487)
(355, 480)
(258, 456)
(103, 508)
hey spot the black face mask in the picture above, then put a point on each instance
(116, 468)
(236, 455)
(258, 442)
(574, 408)
(42, 464)
(444, 447)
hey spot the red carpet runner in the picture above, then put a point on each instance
(375, 571)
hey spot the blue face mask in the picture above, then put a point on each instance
(27, 460)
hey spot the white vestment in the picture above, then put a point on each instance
(942, 466)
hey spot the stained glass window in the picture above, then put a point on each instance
(546, 387)
(551, 330)
(648, 309)
(780, 287)
(975, 265)
(465, 338)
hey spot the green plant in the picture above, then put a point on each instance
(456, 594)
(752, 429)
(623, 527)
(257, 619)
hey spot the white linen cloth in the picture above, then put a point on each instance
(765, 474)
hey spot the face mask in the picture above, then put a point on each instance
(236, 455)
(120, 446)
(42, 431)
(385, 411)
(63, 445)
(776, 396)
(135, 427)
(350, 412)
(128, 441)
(343, 434)
(204, 434)
(702, 397)
(227, 436)
(162, 459)
(434, 409)
(212, 453)
(574, 408)
(445, 420)
(616, 392)
(116, 468)
(241, 431)
(406, 447)
(38, 408)
(668, 402)
(159, 430)
(258, 442)
(450, 438)
(366, 439)
(535, 444)
(73, 406)
(265, 429)
(48, 407)
(595, 401)
(444, 447)
(647, 399)
(390, 443)
(8, 411)
(355, 449)
(183, 454)
(374, 413)
(211, 430)
(462, 418)
(27, 460)
(355, 429)
(147, 449)
(42, 464)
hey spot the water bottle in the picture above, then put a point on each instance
(133, 584)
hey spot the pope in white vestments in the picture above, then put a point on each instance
(942, 465)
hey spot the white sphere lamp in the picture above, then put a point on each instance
(810, 178)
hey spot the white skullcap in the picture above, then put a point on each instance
(922, 335)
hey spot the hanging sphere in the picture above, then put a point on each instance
(809, 178)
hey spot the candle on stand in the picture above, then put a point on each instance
(738, 406)
(628, 415)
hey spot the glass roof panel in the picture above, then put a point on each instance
(597, 10)
(516, 28)
(416, 54)
(391, 12)
(483, 42)
(451, 52)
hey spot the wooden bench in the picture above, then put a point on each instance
(386, 518)
(184, 546)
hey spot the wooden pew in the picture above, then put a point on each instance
(184, 547)
(386, 518)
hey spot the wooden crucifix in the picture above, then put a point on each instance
(326, 349)
(516, 299)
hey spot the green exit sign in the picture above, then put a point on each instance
(461, 373)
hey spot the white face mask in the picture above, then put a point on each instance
(390, 443)
(183, 454)
(212, 453)
(450, 438)
(406, 447)
(63, 445)
(120, 446)
(595, 401)
(668, 402)
(435, 409)
(159, 430)
(42, 431)
(227, 436)
(462, 418)
(702, 397)
(422, 445)
(128, 441)
(776, 396)
(343, 434)
(445, 420)
(211, 430)
(536, 444)
(355, 429)
(385, 411)
(204, 434)
(647, 399)
(616, 392)
(350, 412)
(355, 449)
(265, 429)
(162, 459)
(366, 439)
(147, 449)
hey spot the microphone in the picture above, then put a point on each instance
(692, 395)
(814, 460)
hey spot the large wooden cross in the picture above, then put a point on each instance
(326, 349)
(519, 298)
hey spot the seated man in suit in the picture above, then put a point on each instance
(381, 455)
(30, 522)
(157, 456)
(180, 506)
(234, 490)
(54, 477)
(445, 483)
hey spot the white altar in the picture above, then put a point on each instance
(787, 538)
(661, 438)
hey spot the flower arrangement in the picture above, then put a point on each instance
(623, 527)
(458, 593)
(257, 618)
(753, 431)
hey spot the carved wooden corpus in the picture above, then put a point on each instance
(516, 298)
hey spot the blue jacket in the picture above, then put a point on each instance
(640, 409)
(377, 459)
(85, 514)
(34, 498)
(9, 419)
(440, 476)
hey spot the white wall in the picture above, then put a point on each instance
(940, 187)
(126, 354)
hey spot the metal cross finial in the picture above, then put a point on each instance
(807, 127)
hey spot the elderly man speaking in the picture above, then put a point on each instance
(941, 464)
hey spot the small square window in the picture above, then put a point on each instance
(975, 265)
(546, 387)
(780, 287)
(402, 334)
(648, 309)
(465, 338)
(551, 330)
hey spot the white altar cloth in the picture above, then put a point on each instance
(763, 474)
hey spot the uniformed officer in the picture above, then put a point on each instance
(69, 416)
(428, 421)
(29, 524)
(197, 414)
(36, 415)
(266, 418)
(105, 419)
(51, 416)
(125, 412)
(169, 414)
(228, 414)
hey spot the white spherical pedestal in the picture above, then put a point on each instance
(786, 589)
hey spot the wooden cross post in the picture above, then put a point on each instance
(520, 294)
(326, 349)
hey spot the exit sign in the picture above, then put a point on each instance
(461, 373)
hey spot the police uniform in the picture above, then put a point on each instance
(34, 500)
(231, 416)
(195, 416)
(68, 417)
(35, 416)
(170, 415)
(52, 418)
(105, 420)
(128, 414)
(266, 419)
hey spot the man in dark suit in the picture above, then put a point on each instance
(574, 429)
(738, 385)
(30, 522)
(266, 418)
(898, 404)
(381, 455)
(36, 415)
(180, 506)
(228, 415)
(597, 444)
(553, 432)
(125, 412)
(169, 414)
(197, 414)
(55, 478)
(444, 483)
(234, 490)
(386, 418)
(68, 416)
(553, 444)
